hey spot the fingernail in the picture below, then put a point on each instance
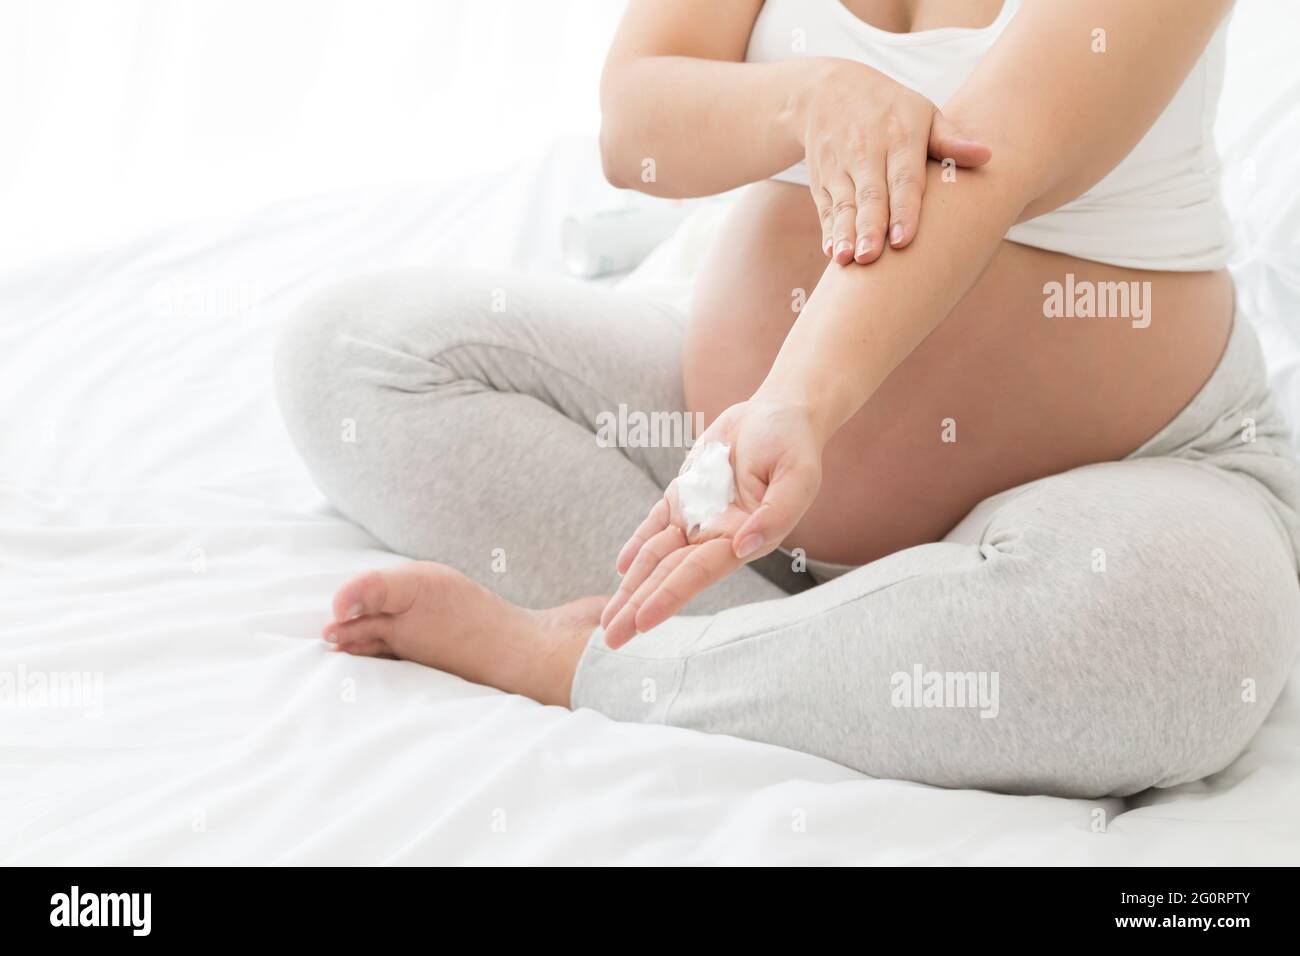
(896, 234)
(355, 611)
(331, 637)
(864, 246)
(749, 546)
(826, 247)
(842, 247)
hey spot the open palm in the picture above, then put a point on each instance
(776, 457)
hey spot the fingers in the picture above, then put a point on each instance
(854, 208)
(655, 522)
(623, 626)
(700, 568)
(791, 492)
(905, 171)
(674, 582)
(843, 208)
(825, 214)
(874, 201)
(871, 203)
(654, 551)
(947, 141)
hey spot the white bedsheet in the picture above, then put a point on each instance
(157, 529)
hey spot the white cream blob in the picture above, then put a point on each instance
(707, 486)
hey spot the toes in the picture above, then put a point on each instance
(367, 647)
(362, 595)
(349, 635)
(391, 591)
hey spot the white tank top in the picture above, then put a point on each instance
(1159, 208)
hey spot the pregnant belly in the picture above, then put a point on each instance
(999, 394)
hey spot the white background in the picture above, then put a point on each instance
(120, 115)
(116, 115)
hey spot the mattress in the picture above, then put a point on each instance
(166, 564)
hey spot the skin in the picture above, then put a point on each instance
(834, 413)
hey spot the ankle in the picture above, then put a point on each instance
(566, 634)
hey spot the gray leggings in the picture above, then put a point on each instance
(1116, 627)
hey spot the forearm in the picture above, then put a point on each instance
(1044, 101)
(678, 126)
(861, 322)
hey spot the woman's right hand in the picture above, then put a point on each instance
(866, 139)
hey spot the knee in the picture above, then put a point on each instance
(1224, 617)
(363, 330)
(1204, 669)
(335, 349)
(1169, 627)
(309, 355)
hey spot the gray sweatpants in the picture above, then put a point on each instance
(1116, 627)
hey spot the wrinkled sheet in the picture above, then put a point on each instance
(157, 529)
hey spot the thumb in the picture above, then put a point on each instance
(947, 141)
(786, 500)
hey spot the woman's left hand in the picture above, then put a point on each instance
(776, 456)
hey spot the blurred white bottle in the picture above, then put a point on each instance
(614, 240)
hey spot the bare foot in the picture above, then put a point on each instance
(434, 615)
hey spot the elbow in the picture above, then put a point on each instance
(610, 162)
(630, 141)
(1039, 165)
(613, 136)
(1022, 185)
(1023, 168)
(627, 135)
(626, 160)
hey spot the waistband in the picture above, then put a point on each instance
(1234, 407)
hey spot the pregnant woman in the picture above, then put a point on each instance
(1013, 508)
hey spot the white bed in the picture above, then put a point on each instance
(157, 528)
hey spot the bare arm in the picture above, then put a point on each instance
(683, 116)
(1076, 114)
(674, 89)
(1059, 117)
